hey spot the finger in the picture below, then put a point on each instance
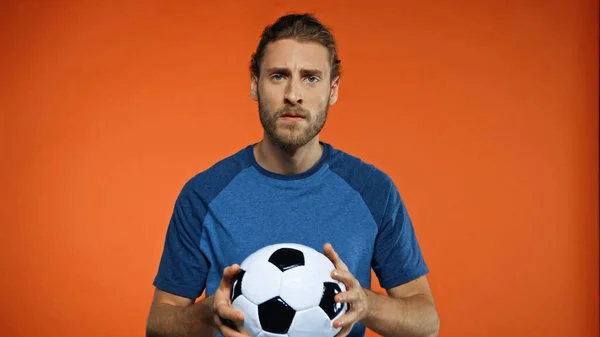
(225, 330)
(228, 274)
(229, 328)
(228, 312)
(229, 323)
(230, 271)
(344, 332)
(347, 297)
(333, 256)
(348, 319)
(346, 277)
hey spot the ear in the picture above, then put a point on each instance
(333, 96)
(254, 88)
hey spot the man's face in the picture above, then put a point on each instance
(294, 91)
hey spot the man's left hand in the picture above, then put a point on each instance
(355, 296)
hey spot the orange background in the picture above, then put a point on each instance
(485, 113)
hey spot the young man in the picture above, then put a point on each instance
(291, 187)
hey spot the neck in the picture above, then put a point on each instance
(272, 158)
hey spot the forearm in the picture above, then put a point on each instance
(191, 321)
(414, 316)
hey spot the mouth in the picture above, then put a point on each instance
(292, 117)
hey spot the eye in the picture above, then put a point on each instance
(313, 79)
(277, 77)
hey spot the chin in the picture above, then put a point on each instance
(290, 143)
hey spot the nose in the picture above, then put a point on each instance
(293, 93)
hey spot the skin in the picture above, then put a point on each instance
(408, 310)
(295, 80)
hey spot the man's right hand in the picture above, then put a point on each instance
(226, 318)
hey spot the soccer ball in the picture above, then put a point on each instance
(286, 290)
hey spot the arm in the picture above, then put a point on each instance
(180, 278)
(182, 275)
(409, 310)
(176, 316)
(172, 315)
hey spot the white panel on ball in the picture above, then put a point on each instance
(261, 282)
(319, 261)
(312, 322)
(301, 287)
(250, 310)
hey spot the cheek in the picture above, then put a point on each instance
(315, 98)
(323, 100)
(270, 96)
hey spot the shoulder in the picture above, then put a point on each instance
(207, 184)
(359, 174)
(374, 185)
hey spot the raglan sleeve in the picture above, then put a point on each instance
(397, 256)
(183, 266)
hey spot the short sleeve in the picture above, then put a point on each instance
(397, 257)
(183, 267)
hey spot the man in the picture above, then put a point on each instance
(292, 187)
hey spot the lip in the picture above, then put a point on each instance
(292, 117)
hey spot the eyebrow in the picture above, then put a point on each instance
(287, 72)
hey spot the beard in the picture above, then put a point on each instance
(291, 136)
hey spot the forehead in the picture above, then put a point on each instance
(296, 55)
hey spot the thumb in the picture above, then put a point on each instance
(228, 275)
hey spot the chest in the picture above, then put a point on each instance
(235, 228)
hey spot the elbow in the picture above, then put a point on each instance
(430, 325)
(152, 326)
(435, 326)
(151, 331)
(435, 334)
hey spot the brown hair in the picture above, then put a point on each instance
(301, 27)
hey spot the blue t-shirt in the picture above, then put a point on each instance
(236, 207)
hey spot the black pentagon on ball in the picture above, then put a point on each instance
(275, 315)
(236, 285)
(328, 303)
(287, 258)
